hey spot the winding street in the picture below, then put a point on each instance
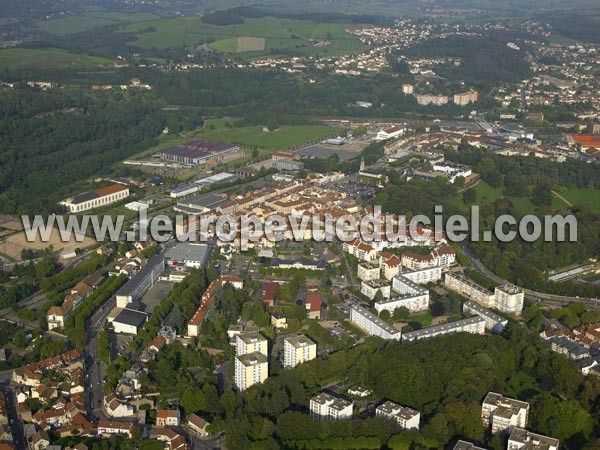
(538, 297)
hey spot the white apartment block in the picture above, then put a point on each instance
(253, 342)
(422, 276)
(509, 299)
(470, 289)
(368, 271)
(250, 369)
(414, 297)
(526, 440)
(473, 325)
(407, 418)
(503, 413)
(327, 407)
(370, 288)
(298, 349)
(373, 325)
(493, 321)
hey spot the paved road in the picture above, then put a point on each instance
(96, 371)
(540, 297)
(15, 424)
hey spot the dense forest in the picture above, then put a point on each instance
(485, 60)
(53, 139)
(445, 378)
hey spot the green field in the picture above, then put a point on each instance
(583, 196)
(90, 17)
(487, 193)
(279, 33)
(16, 58)
(285, 137)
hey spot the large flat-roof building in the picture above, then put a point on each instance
(95, 199)
(200, 152)
(134, 289)
(187, 254)
(506, 298)
(298, 349)
(184, 190)
(407, 418)
(129, 321)
(325, 406)
(200, 204)
(470, 289)
(509, 299)
(250, 369)
(373, 325)
(503, 413)
(493, 321)
(521, 439)
(413, 296)
(473, 325)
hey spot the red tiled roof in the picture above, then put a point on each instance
(314, 302)
(112, 189)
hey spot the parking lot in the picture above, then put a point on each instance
(353, 189)
(155, 295)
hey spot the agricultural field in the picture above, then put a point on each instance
(90, 17)
(267, 33)
(47, 58)
(288, 136)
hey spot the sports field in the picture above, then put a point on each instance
(46, 58)
(303, 36)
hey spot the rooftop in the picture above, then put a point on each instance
(187, 251)
(446, 327)
(533, 441)
(403, 412)
(299, 341)
(336, 403)
(252, 359)
(252, 337)
(131, 317)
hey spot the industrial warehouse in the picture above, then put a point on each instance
(200, 152)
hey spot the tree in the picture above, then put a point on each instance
(20, 339)
(469, 196)
(385, 315)
(401, 314)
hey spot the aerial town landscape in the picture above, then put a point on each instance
(299, 225)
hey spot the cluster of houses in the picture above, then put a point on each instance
(581, 344)
(56, 315)
(50, 395)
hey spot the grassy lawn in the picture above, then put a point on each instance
(16, 58)
(424, 319)
(582, 196)
(287, 136)
(487, 194)
(279, 34)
